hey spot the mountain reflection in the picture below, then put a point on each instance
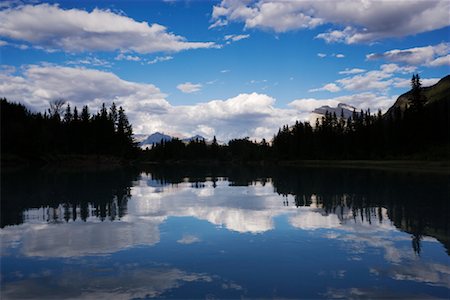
(367, 201)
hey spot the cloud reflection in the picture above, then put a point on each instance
(124, 282)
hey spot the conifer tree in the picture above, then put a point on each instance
(416, 99)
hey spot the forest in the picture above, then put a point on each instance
(419, 130)
(63, 131)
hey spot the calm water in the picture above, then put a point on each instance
(213, 233)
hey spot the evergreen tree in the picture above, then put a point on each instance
(75, 114)
(124, 129)
(416, 99)
(85, 116)
(68, 115)
(113, 115)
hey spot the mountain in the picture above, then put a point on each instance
(319, 112)
(193, 138)
(435, 93)
(156, 138)
(340, 109)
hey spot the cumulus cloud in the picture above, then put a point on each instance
(380, 79)
(249, 114)
(434, 56)
(362, 21)
(330, 87)
(440, 61)
(52, 28)
(340, 55)
(40, 84)
(252, 115)
(189, 87)
(321, 55)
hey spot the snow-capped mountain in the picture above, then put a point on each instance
(341, 109)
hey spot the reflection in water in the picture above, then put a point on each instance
(135, 229)
(134, 283)
(65, 196)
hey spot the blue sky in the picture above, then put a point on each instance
(225, 68)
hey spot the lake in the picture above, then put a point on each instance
(224, 232)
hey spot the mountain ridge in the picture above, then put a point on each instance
(440, 91)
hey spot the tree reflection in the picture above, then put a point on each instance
(65, 196)
(416, 203)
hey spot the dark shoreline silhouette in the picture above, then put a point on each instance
(415, 128)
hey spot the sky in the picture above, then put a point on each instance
(230, 68)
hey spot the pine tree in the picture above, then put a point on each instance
(113, 115)
(85, 116)
(417, 100)
(68, 115)
(75, 114)
(124, 128)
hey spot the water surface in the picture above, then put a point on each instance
(172, 232)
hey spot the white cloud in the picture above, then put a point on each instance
(406, 82)
(340, 55)
(360, 101)
(440, 61)
(122, 56)
(225, 71)
(374, 80)
(218, 23)
(189, 87)
(362, 21)
(321, 55)
(330, 87)
(159, 59)
(253, 114)
(352, 71)
(50, 27)
(40, 84)
(90, 61)
(235, 37)
(434, 56)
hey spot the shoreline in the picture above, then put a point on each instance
(419, 166)
(99, 162)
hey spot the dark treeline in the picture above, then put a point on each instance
(63, 130)
(416, 129)
(419, 130)
(236, 150)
